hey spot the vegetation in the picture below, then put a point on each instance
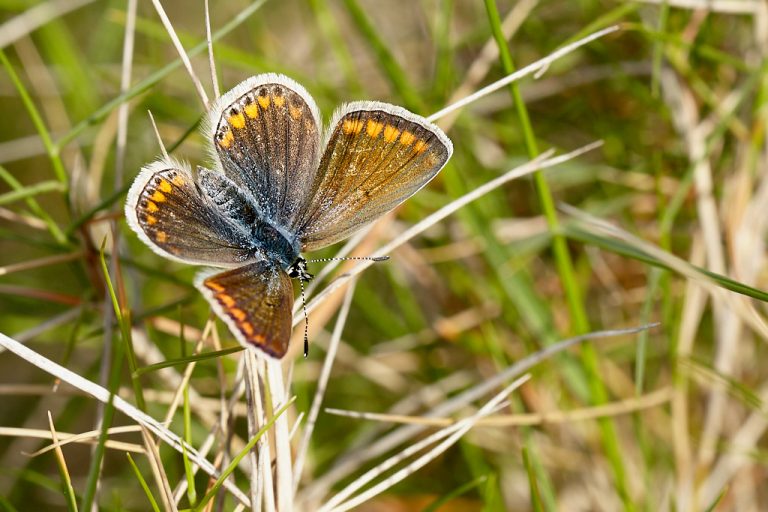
(637, 234)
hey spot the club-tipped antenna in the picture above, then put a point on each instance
(299, 271)
(350, 258)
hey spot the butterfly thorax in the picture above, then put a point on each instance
(271, 243)
(261, 237)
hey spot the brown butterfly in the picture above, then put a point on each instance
(278, 188)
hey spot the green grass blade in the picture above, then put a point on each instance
(66, 481)
(619, 247)
(565, 268)
(115, 372)
(6, 505)
(36, 209)
(31, 191)
(658, 50)
(186, 360)
(123, 317)
(188, 470)
(455, 493)
(533, 485)
(327, 23)
(143, 483)
(187, 414)
(392, 70)
(37, 120)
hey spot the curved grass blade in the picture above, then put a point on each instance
(31, 191)
(623, 249)
(143, 483)
(186, 360)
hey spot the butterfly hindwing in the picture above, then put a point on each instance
(266, 134)
(168, 210)
(255, 302)
(377, 155)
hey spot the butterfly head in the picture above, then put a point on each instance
(298, 270)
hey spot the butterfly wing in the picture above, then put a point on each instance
(376, 157)
(266, 134)
(178, 220)
(255, 302)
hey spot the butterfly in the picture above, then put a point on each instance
(279, 185)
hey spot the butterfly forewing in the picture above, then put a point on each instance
(267, 137)
(377, 155)
(255, 302)
(177, 220)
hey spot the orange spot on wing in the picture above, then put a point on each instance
(279, 100)
(352, 126)
(164, 186)
(161, 236)
(295, 112)
(151, 207)
(158, 196)
(247, 328)
(391, 133)
(151, 220)
(252, 110)
(406, 138)
(178, 181)
(263, 101)
(373, 129)
(226, 300)
(236, 121)
(212, 285)
(420, 146)
(227, 140)
(238, 314)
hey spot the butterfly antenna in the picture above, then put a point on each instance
(299, 271)
(358, 258)
(306, 318)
